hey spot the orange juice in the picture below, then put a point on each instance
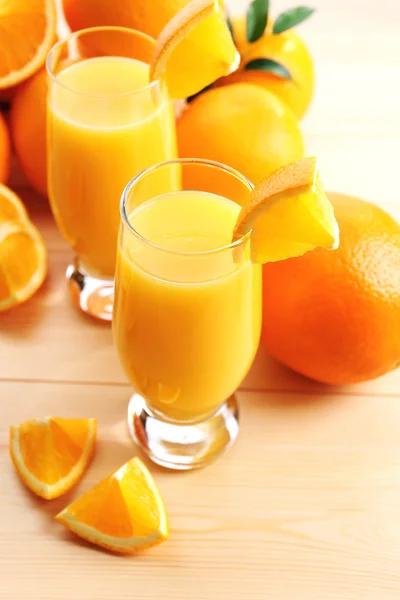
(187, 314)
(104, 126)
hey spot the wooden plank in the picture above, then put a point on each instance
(67, 345)
(307, 499)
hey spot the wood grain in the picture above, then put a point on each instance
(306, 505)
(307, 500)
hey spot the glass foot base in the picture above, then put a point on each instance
(92, 295)
(187, 446)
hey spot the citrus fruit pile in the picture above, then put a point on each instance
(196, 34)
(254, 116)
(122, 513)
(248, 80)
(254, 112)
(268, 54)
(30, 31)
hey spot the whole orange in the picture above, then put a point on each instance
(149, 16)
(242, 125)
(334, 316)
(5, 150)
(28, 129)
(286, 48)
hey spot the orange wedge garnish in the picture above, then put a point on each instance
(27, 32)
(123, 513)
(51, 454)
(194, 49)
(288, 214)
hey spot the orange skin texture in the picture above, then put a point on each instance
(241, 125)
(5, 150)
(334, 316)
(286, 48)
(28, 129)
(149, 16)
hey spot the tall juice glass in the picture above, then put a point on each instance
(106, 122)
(187, 312)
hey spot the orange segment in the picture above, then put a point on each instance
(288, 214)
(11, 207)
(195, 48)
(123, 513)
(23, 262)
(51, 454)
(27, 33)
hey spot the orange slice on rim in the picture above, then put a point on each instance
(27, 32)
(194, 49)
(52, 454)
(123, 513)
(288, 214)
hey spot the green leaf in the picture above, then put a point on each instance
(269, 65)
(290, 18)
(229, 24)
(256, 19)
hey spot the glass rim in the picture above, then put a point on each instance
(74, 35)
(178, 161)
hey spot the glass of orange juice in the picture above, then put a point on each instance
(187, 310)
(106, 122)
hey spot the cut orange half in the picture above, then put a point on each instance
(51, 454)
(122, 513)
(27, 32)
(194, 49)
(11, 206)
(23, 262)
(288, 214)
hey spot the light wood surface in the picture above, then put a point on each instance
(306, 505)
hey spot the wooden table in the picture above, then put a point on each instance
(306, 506)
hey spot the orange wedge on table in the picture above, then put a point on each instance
(51, 454)
(23, 257)
(123, 513)
(288, 214)
(27, 32)
(194, 49)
